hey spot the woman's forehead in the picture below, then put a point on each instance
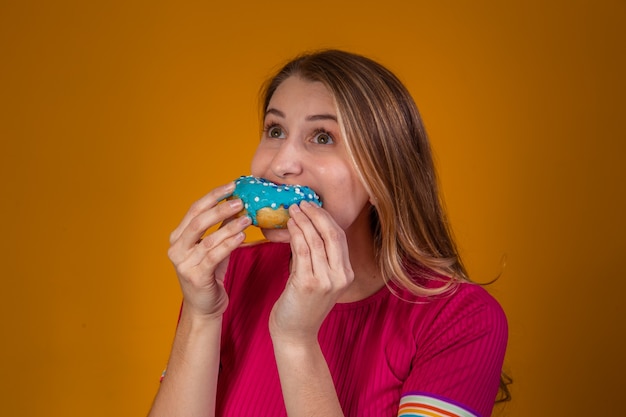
(297, 93)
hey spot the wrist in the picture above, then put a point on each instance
(198, 319)
(293, 337)
(296, 344)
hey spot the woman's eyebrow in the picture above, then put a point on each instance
(311, 118)
(275, 112)
(322, 117)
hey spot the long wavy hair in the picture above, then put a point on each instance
(390, 150)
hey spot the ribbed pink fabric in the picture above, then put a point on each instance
(377, 349)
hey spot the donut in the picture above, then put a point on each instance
(267, 203)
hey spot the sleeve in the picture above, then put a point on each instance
(427, 405)
(457, 369)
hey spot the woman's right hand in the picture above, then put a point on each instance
(201, 262)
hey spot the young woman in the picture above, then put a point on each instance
(359, 308)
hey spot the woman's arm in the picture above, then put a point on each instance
(462, 351)
(190, 385)
(306, 382)
(320, 274)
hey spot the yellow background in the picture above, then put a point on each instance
(116, 115)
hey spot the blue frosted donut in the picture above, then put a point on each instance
(266, 203)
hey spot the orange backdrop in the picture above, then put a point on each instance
(116, 115)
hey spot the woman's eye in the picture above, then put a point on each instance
(323, 139)
(275, 132)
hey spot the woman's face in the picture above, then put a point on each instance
(302, 144)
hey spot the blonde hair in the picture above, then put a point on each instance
(390, 150)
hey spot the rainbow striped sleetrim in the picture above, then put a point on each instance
(417, 405)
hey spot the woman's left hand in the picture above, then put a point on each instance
(320, 273)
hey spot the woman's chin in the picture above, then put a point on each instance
(276, 235)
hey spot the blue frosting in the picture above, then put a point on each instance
(257, 193)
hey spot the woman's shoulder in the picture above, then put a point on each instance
(468, 293)
(470, 296)
(465, 305)
(459, 295)
(470, 309)
(470, 301)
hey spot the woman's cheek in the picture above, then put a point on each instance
(260, 162)
(341, 214)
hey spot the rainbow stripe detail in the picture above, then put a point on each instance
(414, 405)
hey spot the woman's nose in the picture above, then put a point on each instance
(287, 161)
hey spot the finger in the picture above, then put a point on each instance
(198, 226)
(221, 252)
(301, 254)
(205, 203)
(333, 236)
(313, 240)
(231, 218)
(217, 246)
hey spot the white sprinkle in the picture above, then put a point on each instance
(256, 199)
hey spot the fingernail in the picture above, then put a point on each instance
(245, 220)
(236, 203)
(229, 187)
(227, 191)
(295, 208)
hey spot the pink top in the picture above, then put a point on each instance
(388, 357)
